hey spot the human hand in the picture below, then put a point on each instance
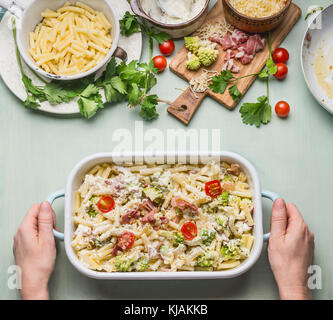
(35, 251)
(290, 251)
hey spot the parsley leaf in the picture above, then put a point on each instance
(129, 24)
(235, 93)
(256, 113)
(219, 83)
(148, 107)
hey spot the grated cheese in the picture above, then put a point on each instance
(220, 29)
(258, 8)
(201, 84)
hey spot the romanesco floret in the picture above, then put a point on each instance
(221, 220)
(207, 55)
(193, 63)
(226, 253)
(142, 264)
(178, 238)
(192, 44)
(92, 212)
(205, 261)
(224, 198)
(123, 263)
(153, 194)
(207, 236)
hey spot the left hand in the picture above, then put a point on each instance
(35, 251)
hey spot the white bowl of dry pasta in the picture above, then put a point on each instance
(187, 217)
(67, 40)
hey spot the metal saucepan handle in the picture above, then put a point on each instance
(272, 196)
(51, 198)
(120, 53)
(12, 7)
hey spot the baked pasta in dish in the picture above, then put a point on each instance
(163, 218)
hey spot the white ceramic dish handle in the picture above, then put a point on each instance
(61, 193)
(12, 7)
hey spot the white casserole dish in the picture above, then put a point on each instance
(75, 179)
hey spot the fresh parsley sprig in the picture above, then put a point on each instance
(131, 24)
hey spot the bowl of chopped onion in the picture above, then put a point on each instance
(256, 16)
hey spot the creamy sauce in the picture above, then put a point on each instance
(172, 11)
(323, 66)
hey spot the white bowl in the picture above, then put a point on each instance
(31, 17)
(76, 177)
(320, 29)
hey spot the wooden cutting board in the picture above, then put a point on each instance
(186, 104)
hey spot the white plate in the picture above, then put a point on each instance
(321, 37)
(10, 71)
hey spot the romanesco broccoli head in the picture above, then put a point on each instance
(207, 236)
(221, 220)
(153, 194)
(224, 198)
(192, 44)
(193, 63)
(205, 261)
(178, 238)
(123, 263)
(142, 264)
(207, 55)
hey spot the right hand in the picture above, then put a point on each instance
(290, 251)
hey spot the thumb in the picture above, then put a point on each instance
(279, 218)
(45, 221)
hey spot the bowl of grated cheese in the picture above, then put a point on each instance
(256, 16)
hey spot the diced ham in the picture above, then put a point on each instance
(239, 36)
(164, 220)
(230, 65)
(148, 206)
(115, 250)
(149, 218)
(229, 55)
(250, 45)
(234, 170)
(246, 59)
(239, 54)
(129, 216)
(260, 45)
(225, 41)
(184, 206)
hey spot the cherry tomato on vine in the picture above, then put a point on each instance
(189, 230)
(282, 71)
(126, 240)
(105, 204)
(160, 63)
(167, 47)
(282, 109)
(281, 55)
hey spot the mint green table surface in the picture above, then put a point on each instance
(293, 157)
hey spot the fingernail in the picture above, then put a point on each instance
(279, 204)
(45, 205)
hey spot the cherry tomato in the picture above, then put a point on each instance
(282, 109)
(105, 204)
(213, 188)
(189, 230)
(126, 240)
(160, 63)
(282, 71)
(281, 55)
(167, 47)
